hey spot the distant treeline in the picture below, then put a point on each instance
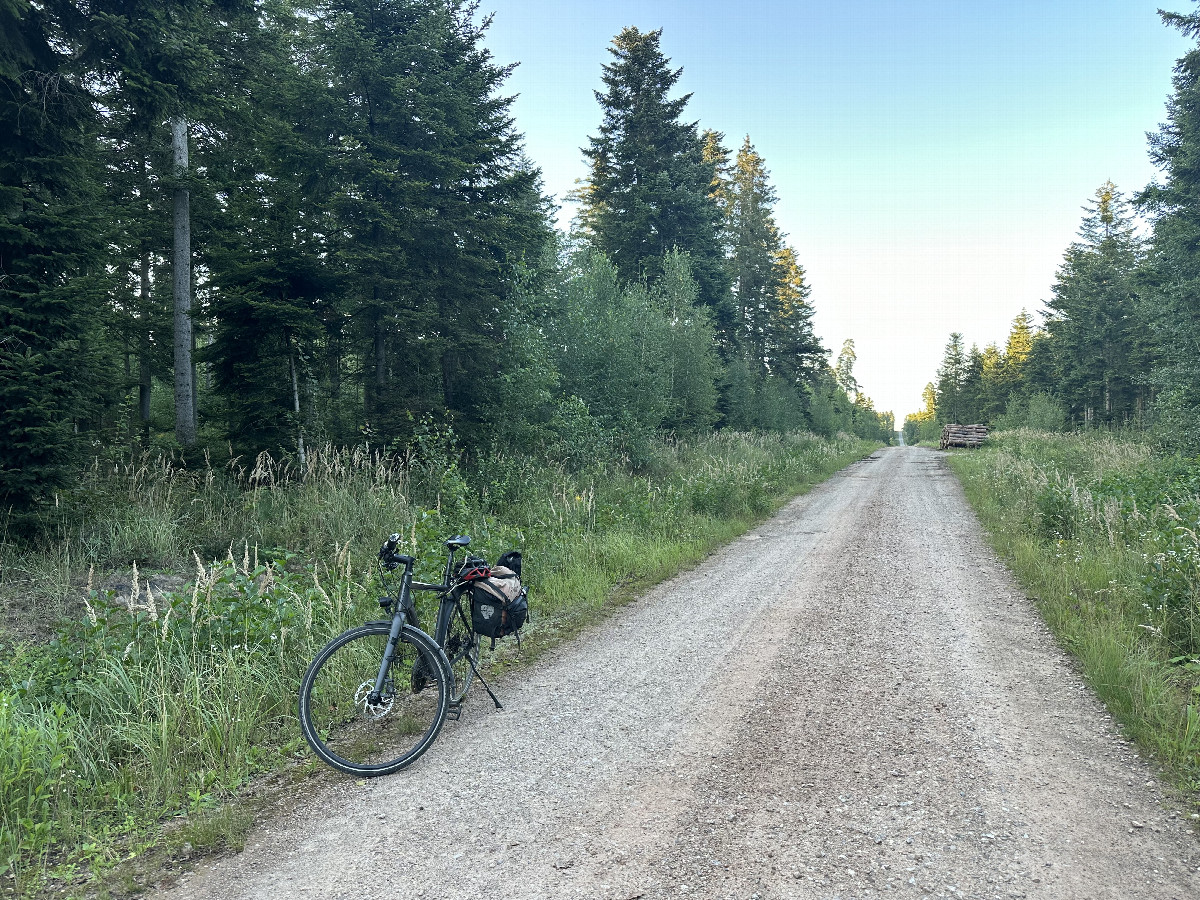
(273, 224)
(1119, 344)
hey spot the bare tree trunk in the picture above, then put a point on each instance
(144, 351)
(185, 388)
(296, 407)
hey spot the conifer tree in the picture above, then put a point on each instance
(720, 190)
(952, 376)
(49, 247)
(844, 370)
(650, 185)
(756, 244)
(793, 349)
(435, 205)
(162, 73)
(269, 253)
(1094, 317)
(1172, 284)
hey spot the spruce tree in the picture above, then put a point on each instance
(794, 351)
(49, 248)
(1172, 279)
(269, 251)
(650, 185)
(436, 203)
(952, 377)
(754, 262)
(844, 370)
(1094, 317)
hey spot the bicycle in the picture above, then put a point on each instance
(376, 696)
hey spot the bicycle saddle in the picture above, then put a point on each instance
(458, 542)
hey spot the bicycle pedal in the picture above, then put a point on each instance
(453, 711)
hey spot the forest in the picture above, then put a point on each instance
(231, 228)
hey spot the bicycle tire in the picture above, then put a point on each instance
(460, 644)
(340, 724)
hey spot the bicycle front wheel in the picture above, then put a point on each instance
(460, 643)
(366, 736)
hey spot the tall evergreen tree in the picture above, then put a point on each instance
(436, 202)
(952, 377)
(716, 155)
(1172, 282)
(794, 351)
(844, 370)
(1093, 318)
(49, 248)
(650, 185)
(158, 67)
(269, 251)
(754, 262)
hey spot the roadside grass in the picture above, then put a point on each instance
(128, 738)
(1091, 525)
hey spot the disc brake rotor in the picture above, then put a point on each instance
(379, 709)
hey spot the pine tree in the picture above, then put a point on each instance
(720, 191)
(1172, 283)
(649, 188)
(161, 72)
(269, 252)
(49, 248)
(952, 376)
(436, 203)
(1094, 319)
(844, 370)
(756, 244)
(793, 350)
(994, 389)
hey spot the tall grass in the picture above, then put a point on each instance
(149, 704)
(1103, 534)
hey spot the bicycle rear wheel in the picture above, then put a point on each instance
(366, 738)
(460, 643)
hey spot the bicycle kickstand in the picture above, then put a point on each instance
(486, 686)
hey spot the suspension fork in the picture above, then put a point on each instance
(402, 612)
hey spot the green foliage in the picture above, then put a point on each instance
(1040, 411)
(1094, 322)
(649, 188)
(639, 360)
(952, 396)
(37, 744)
(49, 238)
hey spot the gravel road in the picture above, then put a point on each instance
(854, 700)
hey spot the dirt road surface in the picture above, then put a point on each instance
(854, 700)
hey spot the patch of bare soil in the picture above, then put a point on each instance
(855, 700)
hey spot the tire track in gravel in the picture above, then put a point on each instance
(854, 700)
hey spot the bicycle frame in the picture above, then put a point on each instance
(405, 610)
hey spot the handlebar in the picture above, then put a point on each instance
(390, 558)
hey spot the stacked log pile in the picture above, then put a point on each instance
(963, 436)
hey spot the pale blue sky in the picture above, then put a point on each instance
(931, 158)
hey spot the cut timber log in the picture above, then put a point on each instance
(971, 436)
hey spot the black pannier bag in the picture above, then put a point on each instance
(499, 603)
